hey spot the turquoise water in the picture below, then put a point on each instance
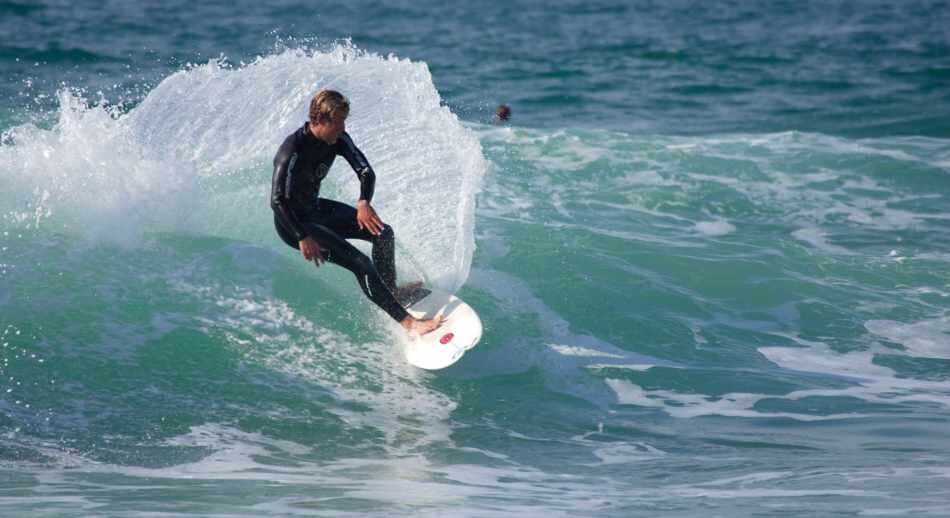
(710, 253)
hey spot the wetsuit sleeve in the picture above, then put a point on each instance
(359, 164)
(280, 191)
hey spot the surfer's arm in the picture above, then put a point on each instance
(280, 192)
(360, 165)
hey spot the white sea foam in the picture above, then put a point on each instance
(569, 350)
(694, 405)
(715, 228)
(627, 453)
(871, 382)
(867, 381)
(926, 338)
(818, 357)
(640, 367)
(816, 238)
(89, 174)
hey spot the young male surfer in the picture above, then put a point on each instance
(319, 227)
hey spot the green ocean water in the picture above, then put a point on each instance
(733, 304)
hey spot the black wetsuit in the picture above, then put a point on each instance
(302, 162)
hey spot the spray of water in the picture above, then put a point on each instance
(195, 156)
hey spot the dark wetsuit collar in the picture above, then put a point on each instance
(309, 138)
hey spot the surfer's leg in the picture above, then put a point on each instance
(384, 255)
(285, 235)
(338, 251)
(341, 218)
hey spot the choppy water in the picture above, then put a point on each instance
(710, 252)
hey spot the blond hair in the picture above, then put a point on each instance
(328, 105)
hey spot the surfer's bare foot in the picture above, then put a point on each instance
(422, 326)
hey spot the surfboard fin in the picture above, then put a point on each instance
(409, 295)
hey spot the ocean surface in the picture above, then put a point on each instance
(711, 251)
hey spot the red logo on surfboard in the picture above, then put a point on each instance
(446, 338)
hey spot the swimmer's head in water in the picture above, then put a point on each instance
(503, 112)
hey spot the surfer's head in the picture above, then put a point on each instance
(328, 112)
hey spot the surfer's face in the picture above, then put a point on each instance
(328, 130)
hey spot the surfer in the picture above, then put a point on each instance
(319, 227)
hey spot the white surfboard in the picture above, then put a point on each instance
(460, 331)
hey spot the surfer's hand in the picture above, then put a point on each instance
(366, 218)
(311, 250)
